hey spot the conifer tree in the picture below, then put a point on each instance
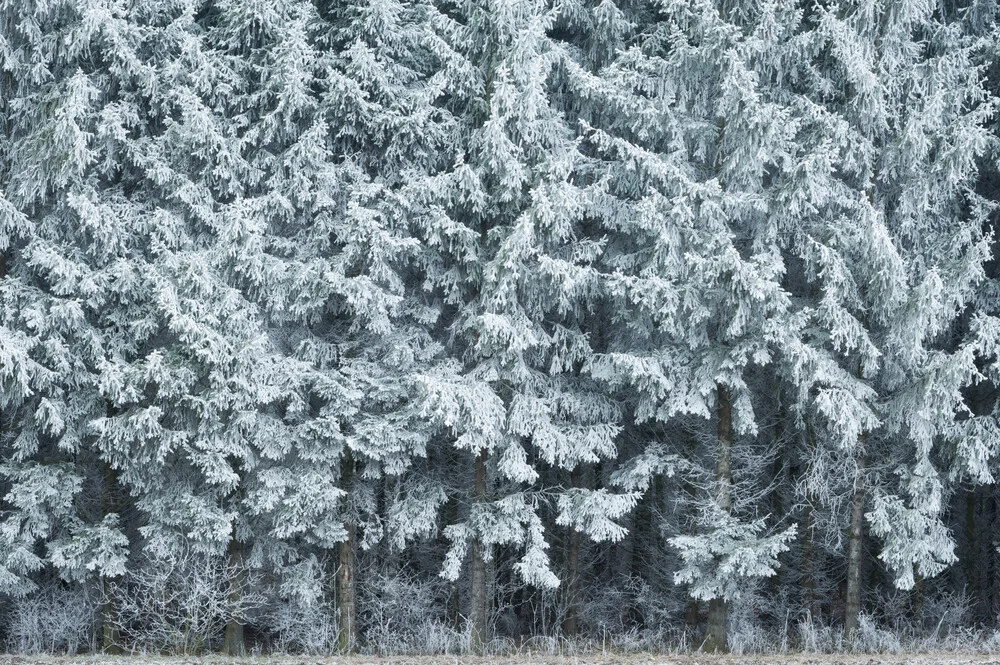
(59, 202)
(508, 259)
(893, 249)
(693, 264)
(337, 115)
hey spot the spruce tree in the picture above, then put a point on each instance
(508, 257)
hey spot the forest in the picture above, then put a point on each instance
(457, 326)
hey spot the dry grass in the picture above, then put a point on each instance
(930, 658)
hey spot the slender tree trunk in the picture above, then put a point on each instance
(6, 125)
(809, 529)
(808, 563)
(569, 626)
(917, 604)
(454, 603)
(779, 579)
(970, 538)
(854, 549)
(346, 592)
(526, 611)
(718, 610)
(346, 568)
(988, 569)
(477, 570)
(624, 551)
(232, 643)
(110, 639)
(971, 553)
(110, 643)
(692, 609)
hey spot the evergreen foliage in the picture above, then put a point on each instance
(532, 317)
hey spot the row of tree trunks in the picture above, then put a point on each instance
(715, 635)
(716, 625)
(345, 576)
(716, 638)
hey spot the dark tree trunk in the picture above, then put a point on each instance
(110, 639)
(6, 126)
(691, 613)
(692, 609)
(110, 643)
(624, 551)
(454, 602)
(570, 621)
(971, 553)
(808, 562)
(718, 611)
(808, 537)
(918, 598)
(987, 569)
(232, 643)
(346, 568)
(852, 604)
(477, 570)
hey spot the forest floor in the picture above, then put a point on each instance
(928, 658)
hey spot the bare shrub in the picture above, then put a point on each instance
(179, 603)
(617, 609)
(747, 634)
(52, 620)
(871, 638)
(400, 613)
(300, 627)
(817, 636)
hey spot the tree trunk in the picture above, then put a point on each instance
(6, 126)
(716, 639)
(970, 555)
(624, 550)
(526, 615)
(110, 642)
(988, 568)
(808, 563)
(917, 604)
(569, 625)
(854, 549)
(809, 534)
(232, 643)
(346, 564)
(691, 612)
(692, 609)
(477, 570)
(110, 639)
(454, 602)
(718, 610)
